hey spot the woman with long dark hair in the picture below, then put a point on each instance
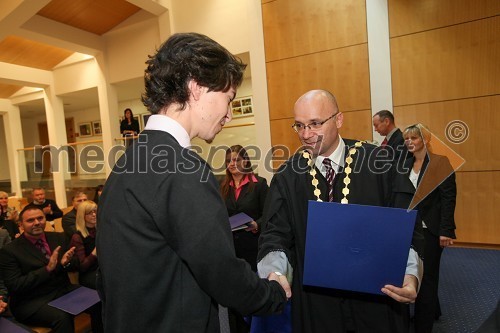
(243, 192)
(129, 127)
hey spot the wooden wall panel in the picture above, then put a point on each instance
(410, 16)
(357, 125)
(452, 63)
(299, 27)
(478, 207)
(482, 117)
(344, 72)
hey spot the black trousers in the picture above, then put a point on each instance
(48, 316)
(427, 300)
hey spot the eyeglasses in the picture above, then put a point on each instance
(92, 212)
(315, 125)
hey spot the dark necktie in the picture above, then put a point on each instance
(330, 175)
(39, 245)
(384, 142)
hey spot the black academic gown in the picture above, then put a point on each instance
(285, 218)
(166, 254)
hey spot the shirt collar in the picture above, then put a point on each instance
(160, 122)
(34, 239)
(337, 157)
(245, 180)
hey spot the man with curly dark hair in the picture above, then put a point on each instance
(164, 243)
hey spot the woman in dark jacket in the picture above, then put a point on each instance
(427, 184)
(243, 192)
(129, 127)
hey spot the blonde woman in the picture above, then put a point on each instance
(84, 242)
(428, 181)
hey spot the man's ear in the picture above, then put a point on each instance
(195, 89)
(339, 119)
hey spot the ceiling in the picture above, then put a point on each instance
(42, 34)
(24, 43)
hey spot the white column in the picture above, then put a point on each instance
(56, 125)
(379, 55)
(108, 109)
(14, 141)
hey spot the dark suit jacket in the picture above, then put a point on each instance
(165, 247)
(30, 285)
(252, 204)
(69, 223)
(435, 195)
(398, 147)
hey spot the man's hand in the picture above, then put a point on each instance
(64, 260)
(53, 259)
(283, 282)
(406, 294)
(47, 210)
(445, 241)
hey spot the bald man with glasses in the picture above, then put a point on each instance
(321, 171)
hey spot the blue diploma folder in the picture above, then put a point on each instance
(6, 326)
(76, 301)
(239, 221)
(355, 247)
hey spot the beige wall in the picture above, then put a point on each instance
(444, 64)
(445, 68)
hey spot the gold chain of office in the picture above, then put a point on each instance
(347, 171)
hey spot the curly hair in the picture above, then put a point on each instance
(184, 57)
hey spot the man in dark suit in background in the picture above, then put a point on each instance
(385, 125)
(48, 206)
(34, 268)
(69, 219)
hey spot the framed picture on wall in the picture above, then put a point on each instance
(145, 117)
(85, 129)
(242, 107)
(96, 127)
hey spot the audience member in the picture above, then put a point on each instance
(97, 194)
(84, 243)
(69, 219)
(430, 181)
(9, 213)
(129, 127)
(321, 172)
(9, 225)
(34, 268)
(243, 192)
(384, 124)
(48, 206)
(169, 209)
(4, 240)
